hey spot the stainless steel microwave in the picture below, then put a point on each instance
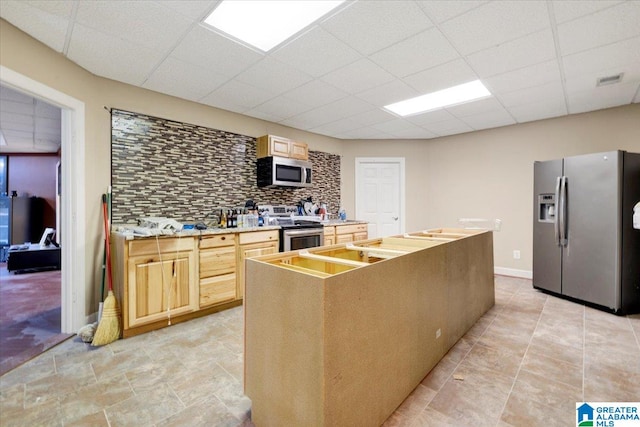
(283, 172)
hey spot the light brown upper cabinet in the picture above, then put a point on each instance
(271, 145)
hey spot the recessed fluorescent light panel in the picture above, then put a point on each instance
(265, 24)
(443, 98)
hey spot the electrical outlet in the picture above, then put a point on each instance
(516, 254)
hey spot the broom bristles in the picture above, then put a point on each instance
(109, 327)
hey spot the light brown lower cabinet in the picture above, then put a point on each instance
(350, 233)
(217, 269)
(166, 280)
(253, 245)
(161, 282)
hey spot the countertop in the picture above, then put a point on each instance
(122, 230)
(126, 230)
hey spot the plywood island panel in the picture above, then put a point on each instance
(341, 335)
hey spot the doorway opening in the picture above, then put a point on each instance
(73, 309)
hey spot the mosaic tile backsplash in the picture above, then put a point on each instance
(183, 171)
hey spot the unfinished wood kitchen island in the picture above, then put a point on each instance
(340, 335)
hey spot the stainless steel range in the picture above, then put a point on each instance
(296, 232)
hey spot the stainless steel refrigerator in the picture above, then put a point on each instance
(584, 243)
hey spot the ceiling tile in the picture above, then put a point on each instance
(200, 81)
(448, 127)
(388, 93)
(395, 125)
(336, 110)
(9, 94)
(568, 10)
(601, 97)
(442, 76)
(44, 109)
(316, 93)
(144, 23)
(417, 53)
(8, 106)
(489, 119)
(534, 75)
(425, 119)
(339, 126)
(495, 23)
(237, 96)
(616, 55)
(539, 110)
(44, 21)
(206, 48)
(414, 133)
(192, 9)
(364, 133)
(359, 25)
(273, 75)
(475, 107)
(607, 26)
(358, 76)
(370, 117)
(550, 91)
(114, 52)
(443, 10)
(316, 52)
(281, 107)
(522, 52)
(588, 81)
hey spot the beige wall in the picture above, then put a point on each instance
(479, 174)
(489, 174)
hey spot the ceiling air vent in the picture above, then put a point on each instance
(609, 80)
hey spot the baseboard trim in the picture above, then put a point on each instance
(525, 274)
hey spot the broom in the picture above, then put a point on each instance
(109, 326)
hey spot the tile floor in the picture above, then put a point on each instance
(29, 315)
(526, 362)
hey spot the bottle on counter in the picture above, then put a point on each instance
(342, 214)
(223, 219)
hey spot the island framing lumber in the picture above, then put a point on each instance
(341, 335)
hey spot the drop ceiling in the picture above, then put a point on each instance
(539, 59)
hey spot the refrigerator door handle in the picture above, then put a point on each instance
(556, 220)
(563, 215)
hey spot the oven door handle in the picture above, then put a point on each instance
(308, 231)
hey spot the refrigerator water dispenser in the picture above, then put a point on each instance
(546, 207)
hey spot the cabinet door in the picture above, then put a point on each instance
(249, 251)
(160, 286)
(329, 240)
(214, 262)
(279, 146)
(217, 289)
(298, 150)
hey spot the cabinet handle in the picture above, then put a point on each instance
(223, 238)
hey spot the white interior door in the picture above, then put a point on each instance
(380, 195)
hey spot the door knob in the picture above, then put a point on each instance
(395, 218)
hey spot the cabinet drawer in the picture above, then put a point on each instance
(355, 228)
(217, 240)
(217, 289)
(149, 246)
(329, 231)
(258, 236)
(360, 236)
(214, 262)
